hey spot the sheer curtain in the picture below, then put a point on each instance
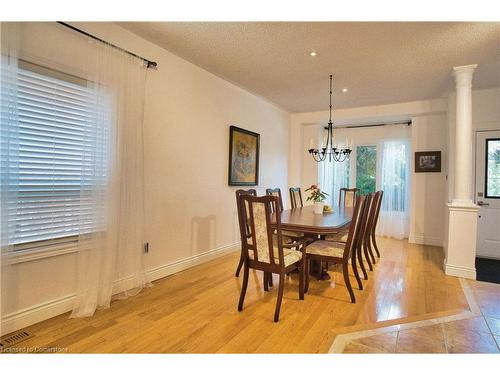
(110, 259)
(99, 177)
(9, 43)
(394, 220)
(333, 177)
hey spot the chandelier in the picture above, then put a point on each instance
(330, 151)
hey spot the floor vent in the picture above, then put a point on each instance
(14, 338)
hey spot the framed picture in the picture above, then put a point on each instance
(428, 161)
(243, 157)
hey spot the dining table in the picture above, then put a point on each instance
(304, 220)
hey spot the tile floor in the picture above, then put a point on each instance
(476, 334)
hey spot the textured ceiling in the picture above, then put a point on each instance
(379, 63)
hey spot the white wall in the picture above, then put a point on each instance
(428, 133)
(428, 190)
(191, 212)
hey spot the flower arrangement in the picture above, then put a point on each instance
(316, 194)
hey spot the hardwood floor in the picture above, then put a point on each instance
(195, 311)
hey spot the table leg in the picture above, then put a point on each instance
(318, 270)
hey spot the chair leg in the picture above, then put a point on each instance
(375, 245)
(370, 250)
(301, 279)
(280, 297)
(345, 270)
(270, 280)
(355, 270)
(246, 271)
(240, 264)
(266, 282)
(361, 263)
(306, 272)
(367, 257)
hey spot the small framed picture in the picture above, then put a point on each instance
(243, 157)
(427, 161)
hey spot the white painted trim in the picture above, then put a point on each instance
(343, 339)
(459, 271)
(426, 240)
(462, 206)
(183, 264)
(16, 257)
(43, 311)
(37, 313)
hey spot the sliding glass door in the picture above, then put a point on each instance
(366, 168)
(381, 165)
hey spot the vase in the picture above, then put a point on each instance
(318, 207)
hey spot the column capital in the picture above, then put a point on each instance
(463, 74)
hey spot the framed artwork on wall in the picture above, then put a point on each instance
(427, 161)
(243, 157)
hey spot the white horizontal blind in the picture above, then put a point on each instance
(53, 171)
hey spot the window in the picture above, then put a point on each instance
(492, 168)
(48, 154)
(366, 169)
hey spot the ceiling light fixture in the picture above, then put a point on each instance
(313, 53)
(344, 89)
(330, 150)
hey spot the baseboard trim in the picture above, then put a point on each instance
(194, 260)
(43, 311)
(426, 240)
(460, 271)
(37, 313)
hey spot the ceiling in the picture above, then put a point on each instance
(379, 63)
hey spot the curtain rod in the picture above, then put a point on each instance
(407, 123)
(149, 64)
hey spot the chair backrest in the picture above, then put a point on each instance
(354, 233)
(378, 196)
(347, 197)
(259, 221)
(244, 229)
(276, 192)
(369, 218)
(296, 197)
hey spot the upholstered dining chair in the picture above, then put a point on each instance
(374, 227)
(292, 235)
(296, 197)
(265, 252)
(241, 222)
(340, 252)
(368, 238)
(276, 192)
(347, 196)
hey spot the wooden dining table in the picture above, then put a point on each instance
(303, 219)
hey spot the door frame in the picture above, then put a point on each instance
(474, 152)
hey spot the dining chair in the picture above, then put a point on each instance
(265, 252)
(246, 231)
(296, 197)
(276, 192)
(363, 246)
(347, 196)
(374, 227)
(346, 199)
(339, 252)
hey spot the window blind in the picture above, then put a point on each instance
(51, 169)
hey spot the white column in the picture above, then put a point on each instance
(462, 212)
(463, 135)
